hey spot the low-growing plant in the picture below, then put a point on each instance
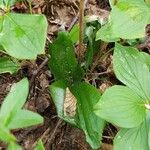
(125, 106)
(13, 116)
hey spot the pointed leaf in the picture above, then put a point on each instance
(23, 36)
(132, 71)
(63, 63)
(24, 118)
(8, 65)
(86, 119)
(14, 101)
(122, 107)
(74, 33)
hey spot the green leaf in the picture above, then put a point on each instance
(23, 36)
(24, 118)
(90, 51)
(129, 17)
(63, 63)
(122, 107)
(14, 101)
(5, 135)
(85, 118)
(145, 57)
(132, 71)
(58, 92)
(74, 33)
(105, 34)
(8, 65)
(5, 4)
(14, 146)
(133, 139)
(91, 124)
(40, 146)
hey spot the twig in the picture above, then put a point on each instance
(75, 19)
(81, 27)
(54, 131)
(35, 73)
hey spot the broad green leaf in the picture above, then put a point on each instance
(63, 63)
(5, 135)
(87, 96)
(105, 34)
(85, 118)
(132, 71)
(8, 65)
(122, 107)
(134, 138)
(74, 33)
(23, 36)
(14, 101)
(57, 91)
(129, 17)
(14, 146)
(24, 118)
(39, 146)
(145, 57)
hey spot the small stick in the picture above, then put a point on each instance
(81, 26)
(35, 73)
(75, 19)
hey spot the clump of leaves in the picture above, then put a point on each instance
(128, 106)
(12, 116)
(69, 74)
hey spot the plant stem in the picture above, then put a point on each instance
(81, 26)
(30, 7)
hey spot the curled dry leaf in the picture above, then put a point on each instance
(70, 104)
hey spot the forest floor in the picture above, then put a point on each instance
(55, 133)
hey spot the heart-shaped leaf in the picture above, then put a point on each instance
(122, 107)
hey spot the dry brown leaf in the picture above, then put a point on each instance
(69, 104)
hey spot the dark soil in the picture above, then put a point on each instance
(55, 133)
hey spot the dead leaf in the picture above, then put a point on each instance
(69, 104)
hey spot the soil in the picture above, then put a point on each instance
(55, 133)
